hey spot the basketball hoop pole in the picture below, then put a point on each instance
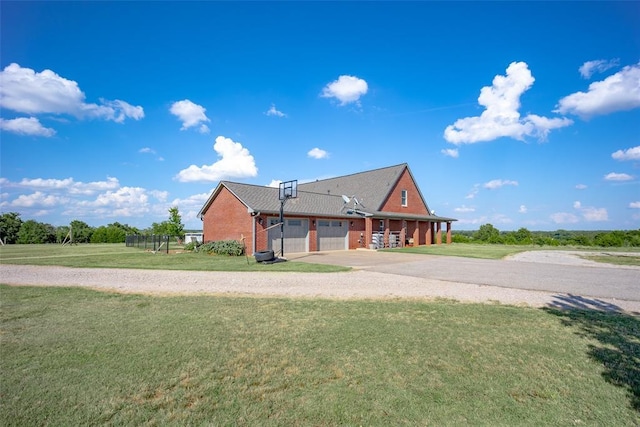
(282, 226)
(288, 190)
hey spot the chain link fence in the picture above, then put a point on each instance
(154, 242)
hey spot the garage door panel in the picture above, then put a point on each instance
(332, 235)
(296, 235)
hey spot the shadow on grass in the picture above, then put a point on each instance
(616, 334)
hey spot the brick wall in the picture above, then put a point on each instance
(415, 204)
(227, 219)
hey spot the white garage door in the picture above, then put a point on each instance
(296, 235)
(332, 235)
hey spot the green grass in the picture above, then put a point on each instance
(119, 256)
(468, 250)
(617, 259)
(81, 357)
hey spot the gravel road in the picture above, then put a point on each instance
(363, 282)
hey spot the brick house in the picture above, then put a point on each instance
(372, 209)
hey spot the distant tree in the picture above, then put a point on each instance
(579, 239)
(633, 238)
(523, 236)
(81, 231)
(172, 227)
(609, 239)
(487, 233)
(112, 233)
(62, 232)
(460, 238)
(10, 224)
(176, 227)
(36, 232)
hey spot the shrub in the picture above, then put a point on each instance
(192, 246)
(223, 247)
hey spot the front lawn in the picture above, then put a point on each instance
(81, 357)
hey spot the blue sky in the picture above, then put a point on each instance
(518, 114)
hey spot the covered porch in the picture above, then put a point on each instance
(400, 232)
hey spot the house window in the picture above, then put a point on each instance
(403, 197)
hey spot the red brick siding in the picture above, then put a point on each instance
(227, 219)
(355, 231)
(414, 201)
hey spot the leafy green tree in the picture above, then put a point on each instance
(176, 227)
(112, 233)
(580, 240)
(172, 227)
(81, 231)
(10, 224)
(36, 232)
(487, 233)
(610, 239)
(61, 233)
(523, 236)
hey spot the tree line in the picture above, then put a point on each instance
(14, 230)
(487, 233)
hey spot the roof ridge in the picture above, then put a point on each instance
(355, 173)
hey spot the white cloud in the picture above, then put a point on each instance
(275, 183)
(522, 209)
(618, 177)
(273, 111)
(464, 209)
(148, 150)
(122, 197)
(68, 185)
(473, 193)
(595, 214)
(190, 114)
(317, 153)
(598, 66)
(26, 126)
(346, 89)
(581, 187)
(119, 110)
(25, 91)
(37, 199)
(590, 213)
(618, 92)
(235, 162)
(450, 152)
(497, 183)
(564, 218)
(634, 205)
(501, 117)
(632, 153)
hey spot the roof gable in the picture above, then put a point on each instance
(371, 188)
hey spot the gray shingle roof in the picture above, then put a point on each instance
(324, 197)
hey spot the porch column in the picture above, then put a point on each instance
(368, 232)
(416, 234)
(448, 232)
(386, 233)
(438, 233)
(403, 233)
(429, 235)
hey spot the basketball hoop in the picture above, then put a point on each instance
(288, 190)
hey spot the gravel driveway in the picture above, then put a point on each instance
(375, 275)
